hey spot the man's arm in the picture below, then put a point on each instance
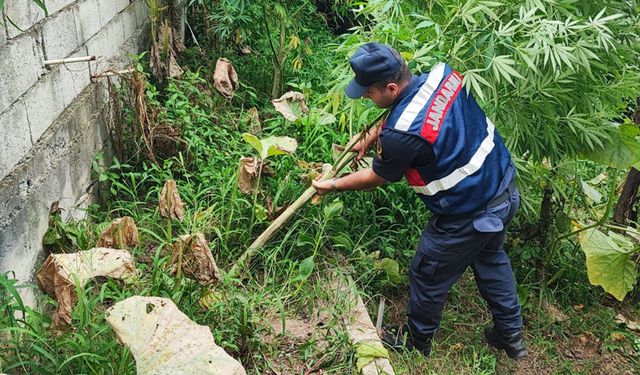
(361, 180)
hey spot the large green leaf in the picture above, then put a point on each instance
(253, 141)
(609, 261)
(278, 146)
(333, 209)
(622, 151)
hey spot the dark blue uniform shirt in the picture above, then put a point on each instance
(399, 152)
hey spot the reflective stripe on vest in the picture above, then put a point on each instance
(421, 98)
(447, 182)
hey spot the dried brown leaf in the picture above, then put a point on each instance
(247, 173)
(121, 234)
(274, 213)
(197, 260)
(163, 340)
(171, 206)
(291, 105)
(162, 57)
(59, 273)
(225, 78)
(634, 326)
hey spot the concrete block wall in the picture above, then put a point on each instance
(53, 121)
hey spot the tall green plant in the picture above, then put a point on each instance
(555, 76)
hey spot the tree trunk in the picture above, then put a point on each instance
(624, 208)
(628, 198)
(279, 62)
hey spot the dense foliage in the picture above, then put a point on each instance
(559, 78)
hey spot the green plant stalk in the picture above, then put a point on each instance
(343, 160)
(255, 196)
(176, 286)
(232, 204)
(598, 223)
(169, 231)
(281, 220)
(604, 217)
(316, 246)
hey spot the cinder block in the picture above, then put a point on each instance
(15, 137)
(142, 12)
(106, 43)
(3, 31)
(121, 4)
(45, 102)
(55, 5)
(87, 19)
(59, 35)
(108, 10)
(74, 79)
(19, 12)
(55, 91)
(129, 23)
(21, 64)
(56, 169)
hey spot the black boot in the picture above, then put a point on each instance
(511, 343)
(400, 338)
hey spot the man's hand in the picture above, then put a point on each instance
(323, 187)
(363, 145)
(363, 179)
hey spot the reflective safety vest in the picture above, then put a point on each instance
(470, 157)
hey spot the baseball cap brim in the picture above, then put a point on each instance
(355, 90)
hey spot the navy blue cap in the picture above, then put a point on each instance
(372, 62)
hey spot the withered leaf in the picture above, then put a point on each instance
(163, 340)
(197, 260)
(162, 55)
(247, 173)
(225, 78)
(273, 212)
(60, 271)
(291, 105)
(121, 234)
(171, 206)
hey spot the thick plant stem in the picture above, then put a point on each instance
(628, 198)
(281, 220)
(343, 160)
(255, 194)
(232, 204)
(554, 245)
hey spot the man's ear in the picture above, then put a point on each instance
(393, 87)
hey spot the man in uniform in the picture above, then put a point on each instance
(438, 137)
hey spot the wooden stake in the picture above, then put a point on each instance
(380, 316)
